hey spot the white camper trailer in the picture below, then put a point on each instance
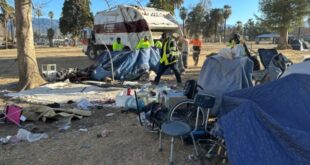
(130, 23)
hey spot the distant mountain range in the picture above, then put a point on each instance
(41, 25)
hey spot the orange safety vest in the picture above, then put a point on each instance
(196, 42)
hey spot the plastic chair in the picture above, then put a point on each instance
(173, 129)
(180, 129)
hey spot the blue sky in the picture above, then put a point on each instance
(241, 9)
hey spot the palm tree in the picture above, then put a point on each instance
(7, 14)
(38, 13)
(51, 15)
(183, 15)
(238, 27)
(177, 3)
(226, 13)
(216, 20)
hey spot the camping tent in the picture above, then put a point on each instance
(268, 124)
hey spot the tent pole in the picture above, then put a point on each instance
(111, 61)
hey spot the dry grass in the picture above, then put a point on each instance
(126, 144)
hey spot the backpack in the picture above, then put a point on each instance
(156, 113)
(190, 89)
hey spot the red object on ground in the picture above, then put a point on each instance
(12, 114)
(128, 91)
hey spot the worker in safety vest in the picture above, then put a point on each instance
(169, 58)
(159, 44)
(117, 45)
(235, 40)
(144, 43)
(196, 49)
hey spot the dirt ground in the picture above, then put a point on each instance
(126, 144)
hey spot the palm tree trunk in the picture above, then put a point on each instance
(183, 26)
(215, 33)
(225, 30)
(6, 33)
(12, 31)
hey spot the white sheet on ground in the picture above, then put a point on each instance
(62, 92)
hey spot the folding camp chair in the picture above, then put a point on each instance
(273, 62)
(266, 56)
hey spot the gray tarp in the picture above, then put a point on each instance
(219, 75)
(128, 65)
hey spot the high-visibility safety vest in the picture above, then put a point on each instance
(196, 42)
(143, 44)
(159, 44)
(170, 53)
(117, 47)
(231, 44)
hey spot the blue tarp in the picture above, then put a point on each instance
(219, 75)
(268, 124)
(128, 65)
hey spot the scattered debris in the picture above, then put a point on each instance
(103, 133)
(70, 102)
(83, 129)
(5, 140)
(37, 112)
(12, 113)
(110, 114)
(54, 105)
(63, 124)
(25, 135)
(84, 104)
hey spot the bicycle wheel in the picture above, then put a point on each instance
(186, 111)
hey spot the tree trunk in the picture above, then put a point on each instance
(183, 27)
(215, 33)
(283, 40)
(225, 30)
(74, 39)
(51, 41)
(6, 33)
(29, 75)
(12, 32)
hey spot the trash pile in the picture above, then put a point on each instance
(127, 65)
(56, 104)
(148, 94)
